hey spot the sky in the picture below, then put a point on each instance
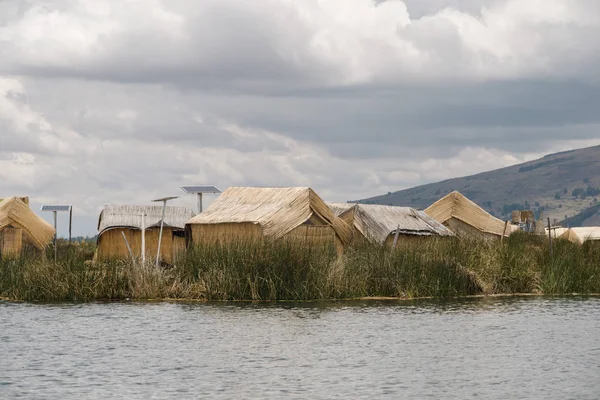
(120, 102)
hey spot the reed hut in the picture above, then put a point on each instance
(20, 227)
(380, 224)
(467, 219)
(249, 213)
(118, 219)
(582, 234)
(555, 232)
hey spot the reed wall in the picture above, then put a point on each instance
(111, 245)
(11, 242)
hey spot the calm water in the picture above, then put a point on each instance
(538, 348)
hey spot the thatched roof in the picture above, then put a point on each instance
(455, 205)
(14, 212)
(115, 216)
(556, 231)
(582, 234)
(377, 222)
(340, 208)
(24, 199)
(276, 210)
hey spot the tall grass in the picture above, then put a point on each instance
(282, 271)
(75, 278)
(268, 270)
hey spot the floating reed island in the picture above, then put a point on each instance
(287, 244)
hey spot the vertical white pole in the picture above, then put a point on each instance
(143, 238)
(162, 223)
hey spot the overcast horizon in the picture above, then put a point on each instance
(106, 102)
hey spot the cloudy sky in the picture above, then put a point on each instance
(123, 101)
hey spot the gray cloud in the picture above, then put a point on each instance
(120, 102)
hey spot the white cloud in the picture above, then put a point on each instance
(122, 101)
(247, 45)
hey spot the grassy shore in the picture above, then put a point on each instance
(281, 271)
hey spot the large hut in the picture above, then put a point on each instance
(581, 234)
(467, 219)
(380, 224)
(20, 227)
(117, 219)
(250, 213)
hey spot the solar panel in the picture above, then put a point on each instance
(200, 189)
(56, 208)
(166, 198)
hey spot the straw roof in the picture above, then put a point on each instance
(277, 210)
(377, 222)
(455, 205)
(14, 212)
(24, 199)
(580, 235)
(340, 208)
(556, 231)
(124, 216)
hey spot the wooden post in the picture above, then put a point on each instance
(550, 238)
(504, 231)
(199, 203)
(396, 237)
(55, 239)
(162, 224)
(70, 222)
(144, 238)
(128, 247)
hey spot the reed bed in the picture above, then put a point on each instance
(275, 271)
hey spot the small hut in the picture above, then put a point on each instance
(20, 227)
(379, 224)
(250, 213)
(467, 219)
(117, 219)
(555, 231)
(581, 234)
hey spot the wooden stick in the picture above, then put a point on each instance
(504, 231)
(128, 247)
(550, 237)
(396, 236)
(55, 239)
(143, 238)
(70, 222)
(160, 234)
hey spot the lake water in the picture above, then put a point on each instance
(517, 348)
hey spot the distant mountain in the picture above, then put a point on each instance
(560, 186)
(588, 217)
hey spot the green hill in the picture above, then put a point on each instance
(560, 186)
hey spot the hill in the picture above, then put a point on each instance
(560, 186)
(587, 217)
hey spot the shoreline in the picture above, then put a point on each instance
(331, 300)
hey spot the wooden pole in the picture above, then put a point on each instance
(504, 231)
(162, 224)
(55, 239)
(128, 247)
(144, 238)
(550, 238)
(199, 203)
(70, 222)
(396, 237)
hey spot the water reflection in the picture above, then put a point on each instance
(488, 348)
